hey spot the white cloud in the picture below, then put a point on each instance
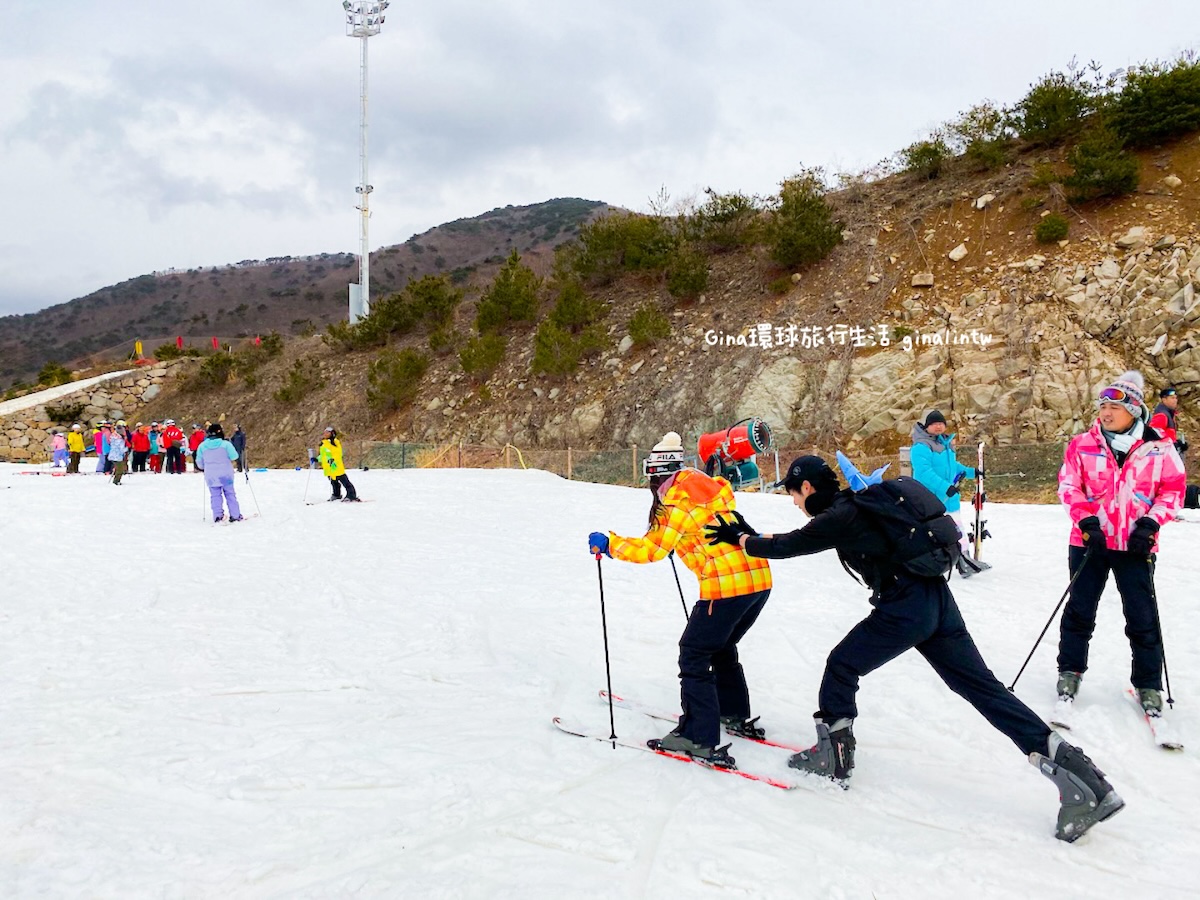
(197, 134)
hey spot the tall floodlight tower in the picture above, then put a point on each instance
(364, 18)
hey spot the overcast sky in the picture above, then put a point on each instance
(141, 136)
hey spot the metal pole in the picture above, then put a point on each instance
(364, 189)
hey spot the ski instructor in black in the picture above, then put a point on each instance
(910, 611)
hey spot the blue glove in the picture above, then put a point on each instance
(598, 543)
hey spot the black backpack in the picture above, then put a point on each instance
(923, 538)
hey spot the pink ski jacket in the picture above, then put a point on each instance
(1090, 483)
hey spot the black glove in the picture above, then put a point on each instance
(952, 490)
(728, 532)
(1181, 445)
(1141, 539)
(1093, 534)
(979, 473)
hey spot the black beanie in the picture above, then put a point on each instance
(934, 415)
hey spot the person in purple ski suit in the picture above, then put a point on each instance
(214, 457)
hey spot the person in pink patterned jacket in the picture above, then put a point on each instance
(1120, 481)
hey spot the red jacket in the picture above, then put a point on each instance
(172, 436)
(140, 442)
(196, 439)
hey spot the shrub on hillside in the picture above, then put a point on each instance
(725, 222)
(212, 375)
(981, 134)
(1158, 102)
(1101, 168)
(574, 310)
(303, 378)
(482, 355)
(170, 351)
(925, 158)
(621, 242)
(687, 272)
(1054, 109)
(54, 374)
(511, 297)
(394, 378)
(428, 301)
(802, 229)
(557, 352)
(648, 325)
(1051, 228)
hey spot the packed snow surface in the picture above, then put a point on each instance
(337, 700)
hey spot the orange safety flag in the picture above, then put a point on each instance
(216, 344)
(257, 341)
(179, 343)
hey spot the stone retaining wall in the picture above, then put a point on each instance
(25, 435)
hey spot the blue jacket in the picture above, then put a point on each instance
(214, 456)
(934, 465)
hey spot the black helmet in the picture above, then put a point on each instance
(215, 430)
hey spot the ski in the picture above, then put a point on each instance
(1160, 727)
(665, 716)
(228, 521)
(1064, 714)
(584, 732)
(980, 531)
(323, 502)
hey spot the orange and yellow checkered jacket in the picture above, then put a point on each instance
(691, 500)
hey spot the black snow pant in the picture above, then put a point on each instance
(139, 460)
(711, 681)
(338, 483)
(921, 613)
(174, 461)
(1135, 583)
(1191, 499)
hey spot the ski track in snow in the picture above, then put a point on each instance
(355, 700)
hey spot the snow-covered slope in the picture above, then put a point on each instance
(355, 700)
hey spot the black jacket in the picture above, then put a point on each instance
(239, 441)
(861, 544)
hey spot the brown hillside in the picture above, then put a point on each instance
(290, 295)
(895, 228)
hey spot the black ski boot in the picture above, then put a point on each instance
(1085, 797)
(967, 566)
(833, 755)
(747, 728)
(673, 742)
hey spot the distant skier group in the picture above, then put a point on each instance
(119, 448)
(1120, 482)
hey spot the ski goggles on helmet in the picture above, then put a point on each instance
(662, 462)
(1117, 395)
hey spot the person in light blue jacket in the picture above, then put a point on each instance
(214, 457)
(116, 453)
(935, 466)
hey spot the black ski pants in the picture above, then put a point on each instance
(711, 681)
(1135, 583)
(338, 483)
(174, 461)
(921, 613)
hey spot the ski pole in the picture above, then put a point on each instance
(1158, 625)
(309, 478)
(612, 723)
(678, 585)
(1086, 553)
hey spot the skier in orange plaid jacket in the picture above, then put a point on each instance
(733, 590)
